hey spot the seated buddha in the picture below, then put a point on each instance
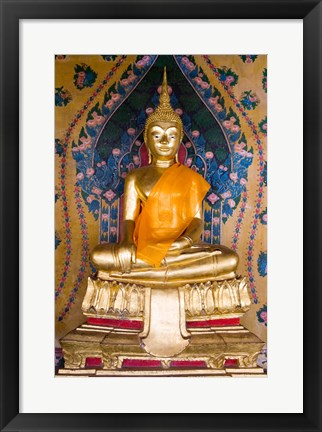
(162, 222)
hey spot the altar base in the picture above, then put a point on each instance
(187, 331)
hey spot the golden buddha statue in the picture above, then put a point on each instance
(162, 222)
(133, 323)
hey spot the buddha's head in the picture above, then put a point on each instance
(163, 129)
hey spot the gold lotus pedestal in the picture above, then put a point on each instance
(193, 329)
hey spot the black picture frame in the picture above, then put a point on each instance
(11, 12)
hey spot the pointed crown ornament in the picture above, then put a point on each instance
(164, 111)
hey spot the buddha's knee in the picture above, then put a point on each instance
(227, 261)
(233, 260)
(102, 256)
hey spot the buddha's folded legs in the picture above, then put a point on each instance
(199, 263)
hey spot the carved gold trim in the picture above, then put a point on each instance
(217, 298)
(111, 299)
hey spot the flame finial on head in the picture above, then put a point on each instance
(164, 112)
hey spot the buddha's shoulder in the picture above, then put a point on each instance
(138, 173)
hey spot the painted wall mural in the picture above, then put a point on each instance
(102, 102)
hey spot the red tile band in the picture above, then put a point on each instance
(214, 323)
(106, 322)
(137, 363)
(231, 363)
(93, 362)
(188, 364)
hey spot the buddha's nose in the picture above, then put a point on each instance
(164, 139)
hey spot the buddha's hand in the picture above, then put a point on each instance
(126, 256)
(183, 242)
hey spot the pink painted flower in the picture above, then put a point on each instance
(90, 198)
(226, 194)
(221, 167)
(243, 181)
(115, 97)
(131, 131)
(116, 151)
(239, 146)
(185, 60)
(195, 133)
(97, 191)
(263, 315)
(91, 123)
(213, 198)
(242, 152)
(216, 220)
(198, 80)
(80, 176)
(264, 126)
(104, 216)
(136, 160)
(249, 60)
(131, 78)
(189, 162)
(235, 128)
(103, 163)
(82, 74)
(250, 155)
(230, 79)
(109, 104)
(123, 175)
(86, 140)
(204, 85)
(232, 119)
(140, 64)
(113, 230)
(99, 120)
(190, 66)
(252, 98)
(75, 149)
(231, 203)
(149, 110)
(137, 143)
(264, 217)
(207, 233)
(146, 59)
(169, 90)
(179, 111)
(213, 101)
(227, 124)
(109, 195)
(90, 172)
(188, 144)
(125, 82)
(82, 147)
(233, 176)
(218, 108)
(209, 155)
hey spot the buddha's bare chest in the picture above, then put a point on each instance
(146, 181)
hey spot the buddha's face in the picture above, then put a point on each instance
(164, 139)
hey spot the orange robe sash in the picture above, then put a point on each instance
(171, 206)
